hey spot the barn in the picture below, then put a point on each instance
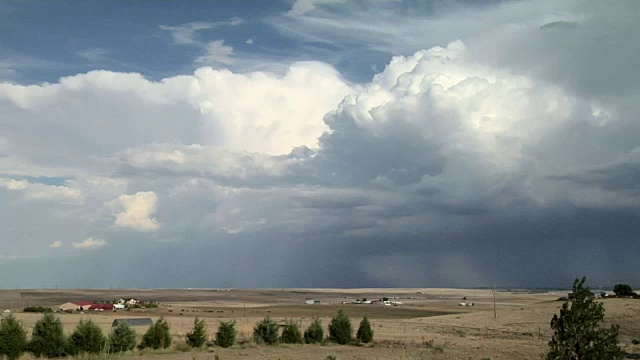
(75, 306)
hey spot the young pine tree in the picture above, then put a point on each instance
(266, 331)
(123, 338)
(158, 336)
(198, 336)
(86, 338)
(291, 333)
(13, 338)
(314, 333)
(577, 332)
(340, 328)
(365, 332)
(47, 338)
(226, 335)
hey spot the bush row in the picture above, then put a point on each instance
(340, 331)
(48, 339)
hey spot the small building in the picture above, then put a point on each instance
(133, 322)
(120, 301)
(309, 302)
(133, 302)
(118, 306)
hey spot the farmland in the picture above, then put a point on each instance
(429, 324)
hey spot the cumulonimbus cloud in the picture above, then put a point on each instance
(442, 153)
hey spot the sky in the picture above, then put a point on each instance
(319, 143)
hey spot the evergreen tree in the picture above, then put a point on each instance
(198, 336)
(226, 335)
(47, 338)
(86, 338)
(365, 332)
(122, 338)
(158, 336)
(314, 333)
(291, 333)
(577, 333)
(13, 338)
(266, 331)
(340, 328)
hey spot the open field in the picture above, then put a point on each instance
(428, 325)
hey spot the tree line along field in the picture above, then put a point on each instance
(430, 324)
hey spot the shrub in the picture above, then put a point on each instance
(340, 328)
(226, 335)
(157, 337)
(623, 290)
(577, 333)
(13, 338)
(314, 333)
(86, 338)
(365, 332)
(198, 336)
(47, 338)
(291, 333)
(266, 331)
(122, 338)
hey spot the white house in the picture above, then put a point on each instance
(133, 302)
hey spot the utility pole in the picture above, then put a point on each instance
(494, 301)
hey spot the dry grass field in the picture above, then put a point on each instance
(428, 325)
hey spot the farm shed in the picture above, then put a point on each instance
(133, 322)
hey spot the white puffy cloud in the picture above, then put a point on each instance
(257, 112)
(55, 244)
(135, 211)
(90, 243)
(262, 113)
